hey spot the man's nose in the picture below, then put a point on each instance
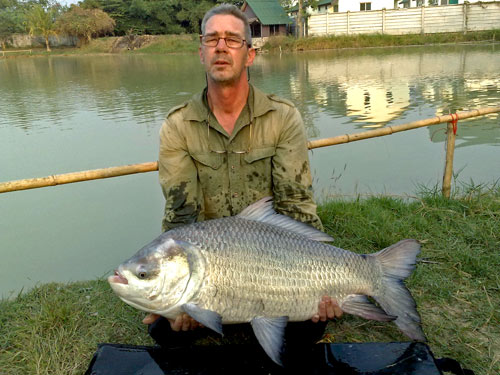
(221, 44)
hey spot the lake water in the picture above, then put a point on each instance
(65, 114)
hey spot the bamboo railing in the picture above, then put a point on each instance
(95, 174)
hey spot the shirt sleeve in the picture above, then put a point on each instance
(178, 177)
(292, 182)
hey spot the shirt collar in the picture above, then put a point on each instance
(197, 108)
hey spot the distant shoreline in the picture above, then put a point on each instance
(189, 43)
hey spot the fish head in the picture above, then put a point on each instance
(155, 278)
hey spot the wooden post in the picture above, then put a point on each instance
(153, 166)
(348, 21)
(422, 20)
(464, 11)
(383, 21)
(448, 169)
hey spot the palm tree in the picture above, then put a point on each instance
(41, 21)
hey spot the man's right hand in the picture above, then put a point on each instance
(182, 322)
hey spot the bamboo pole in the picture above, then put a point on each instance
(399, 128)
(448, 169)
(68, 178)
(153, 166)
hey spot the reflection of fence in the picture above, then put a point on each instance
(451, 18)
(18, 50)
(153, 166)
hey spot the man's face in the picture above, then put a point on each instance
(225, 65)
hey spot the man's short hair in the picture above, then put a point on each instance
(228, 9)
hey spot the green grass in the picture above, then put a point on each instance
(54, 328)
(172, 44)
(189, 43)
(375, 40)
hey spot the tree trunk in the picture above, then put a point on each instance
(4, 47)
(47, 43)
(300, 19)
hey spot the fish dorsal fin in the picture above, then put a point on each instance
(263, 211)
(270, 333)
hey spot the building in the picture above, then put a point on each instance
(267, 18)
(334, 6)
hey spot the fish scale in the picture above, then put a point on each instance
(274, 267)
(266, 269)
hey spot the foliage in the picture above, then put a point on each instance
(11, 19)
(42, 21)
(154, 16)
(279, 43)
(85, 23)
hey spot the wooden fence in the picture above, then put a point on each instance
(95, 174)
(437, 19)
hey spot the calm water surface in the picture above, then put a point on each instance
(65, 114)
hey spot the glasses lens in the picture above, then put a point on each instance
(209, 41)
(234, 42)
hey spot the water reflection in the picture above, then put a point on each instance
(116, 87)
(64, 114)
(378, 86)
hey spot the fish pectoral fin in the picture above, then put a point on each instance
(270, 333)
(357, 304)
(208, 318)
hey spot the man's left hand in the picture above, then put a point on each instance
(327, 309)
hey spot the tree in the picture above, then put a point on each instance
(41, 21)
(85, 23)
(11, 20)
(302, 14)
(155, 16)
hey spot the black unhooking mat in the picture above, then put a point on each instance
(407, 358)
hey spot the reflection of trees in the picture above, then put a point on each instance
(369, 87)
(144, 87)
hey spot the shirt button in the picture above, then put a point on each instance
(235, 195)
(232, 167)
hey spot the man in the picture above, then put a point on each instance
(231, 145)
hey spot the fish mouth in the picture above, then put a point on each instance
(117, 278)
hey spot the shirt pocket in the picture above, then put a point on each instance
(209, 170)
(258, 164)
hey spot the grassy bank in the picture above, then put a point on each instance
(54, 329)
(376, 40)
(164, 44)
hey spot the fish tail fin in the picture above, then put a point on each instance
(397, 263)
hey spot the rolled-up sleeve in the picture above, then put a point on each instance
(178, 178)
(292, 182)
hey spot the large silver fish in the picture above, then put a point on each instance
(266, 269)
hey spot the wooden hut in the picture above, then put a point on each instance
(267, 18)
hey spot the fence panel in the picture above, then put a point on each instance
(435, 19)
(483, 16)
(403, 21)
(365, 22)
(444, 19)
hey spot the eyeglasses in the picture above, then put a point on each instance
(225, 151)
(231, 41)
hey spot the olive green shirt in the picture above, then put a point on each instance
(205, 173)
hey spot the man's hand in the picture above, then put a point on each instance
(183, 322)
(327, 309)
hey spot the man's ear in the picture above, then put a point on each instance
(250, 56)
(202, 59)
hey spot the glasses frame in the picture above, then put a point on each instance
(225, 151)
(243, 41)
